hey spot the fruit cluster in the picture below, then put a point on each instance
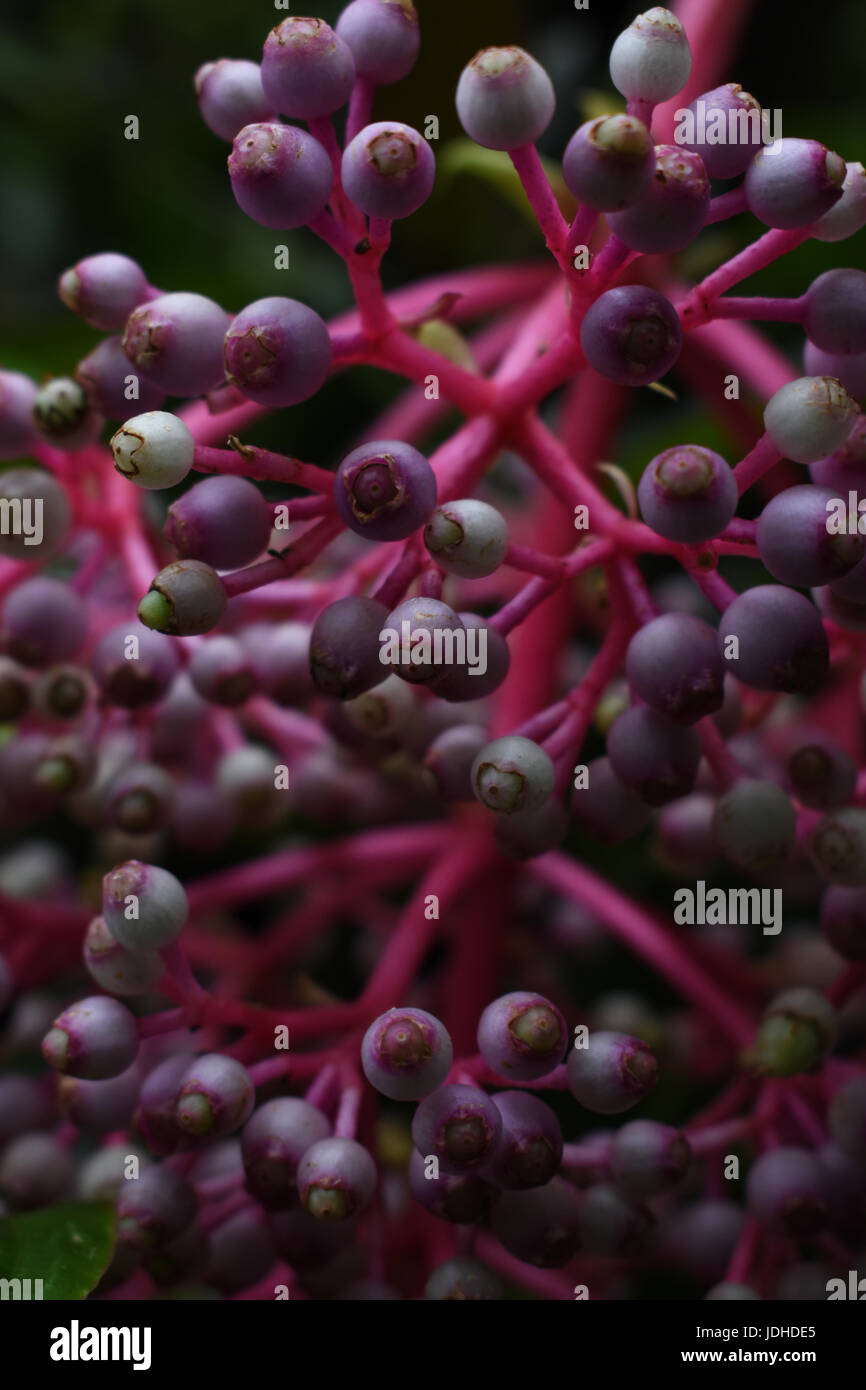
(327, 738)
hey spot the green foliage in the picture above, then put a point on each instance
(68, 1247)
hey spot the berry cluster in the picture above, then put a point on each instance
(335, 734)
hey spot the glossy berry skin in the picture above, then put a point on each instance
(280, 656)
(107, 375)
(462, 1200)
(609, 162)
(530, 1150)
(848, 215)
(230, 96)
(224, 521)
(449, 759)
(795, 544)
(522, 1036)
(687, 494)
(222, 673)
(155, 1118)
(631, 335)
(344, 647)
(384, 38)
(674, 208)
(185, 599)
(459, 1125)
(406, 1053)
(512, 774)
(782, 644)
(307, 70)
(155, 1208)
(754, 825)
(100, 1106)
(462, 1279)
(820, 773)
(849, 368)
(540, 1226)
(835, 311)
(424, 631)
(809, 418)
(215, 1097)
(388, 170)
(158, 909)
(114, 967)
(837, 847)
(384, 490)
(505, 99)
(647, 1158)
(277, 352)
(134, 674)
(176, 341)
(657, 758)
(280, 175)
(726, 109)
(606, 807)
(651, 60)
(154, 450)
(43, 621)
(274, 1140)
(30, 485)
(843, 921)
(35, 1170)
(467, 537)
(94, 1039)
(64, 416)
(104, 289)
(336, 1179)
(612, 1073)
(17, 428)
(673, 663)
(464, 681)
(793, 183)
(786, 1188)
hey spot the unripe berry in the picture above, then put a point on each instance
(687, 494)
(277, 352)
(529, 1151)
(281, 176)
(144, 906)
(64, 416)
(154, 1208)
(406, 1054)
(798, 1031)
(609, 162)
(459, 1125)
(154, 450)
(793, 182)
(388, 170)
(185, 599)
(467, 537)
(95, 1039)
(336, 1178)
(647, 1158)
(672, 210)
(754, 825)
(383, 36)
(837, 847)
(522, 1036)
(651, 60)
(307, 69)
(505, 99)
(462, 1279)
(461, 1199)
(849, 214)
(114, 967)
(215, 1097)
(230, 96)
(104, 289)
(612, 1073)
(274, 1141)
(17, 426)
(512, 774)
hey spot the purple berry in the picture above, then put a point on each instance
(449, 759)
(530, 1150)
(843, 921)
(647, 1158)
(36, 533)
(215, 1097)
(134, 666)
(657, 758)
(793, 182)
(835, 311)
(385, 490)
(155, 1208)
(100, 1106)
(230, 96)
(540, 1226)
(786, 1188)
(606, 807)
(848, 215)
(820, 773)
(145, 907)
(185, 599)
(459, 1125)
(307, 70)
(522, 1036)
(155, 1117)
(754, 825)
(725, 128)
(104, 289)
(222, 672)
(780, 640)
(388, 170)
(43, 621)
(281, 176)
(336, 1179)
(609, 162)
(95, 1039)
(277, 352)
(17, 428)
(419, 636)
(848, 368)
(462, 1200)
(35, 1170)
(406, 1054)
(114, 967)
(176, 340)
(847, 1118)
(673, 209)
(107, 377)
(224, 521)
(505, 99)
(612, 1073)
(611, 1224)
(344, 647)
(281, 660)
(687, 494)
(631, 335)
(462, 1279)
(673, 663)
(383, 36)
(274, 1140)
(466, 680)
(795, 544)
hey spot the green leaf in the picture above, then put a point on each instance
(68, 1247)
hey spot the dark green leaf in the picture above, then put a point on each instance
(68, 1247)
